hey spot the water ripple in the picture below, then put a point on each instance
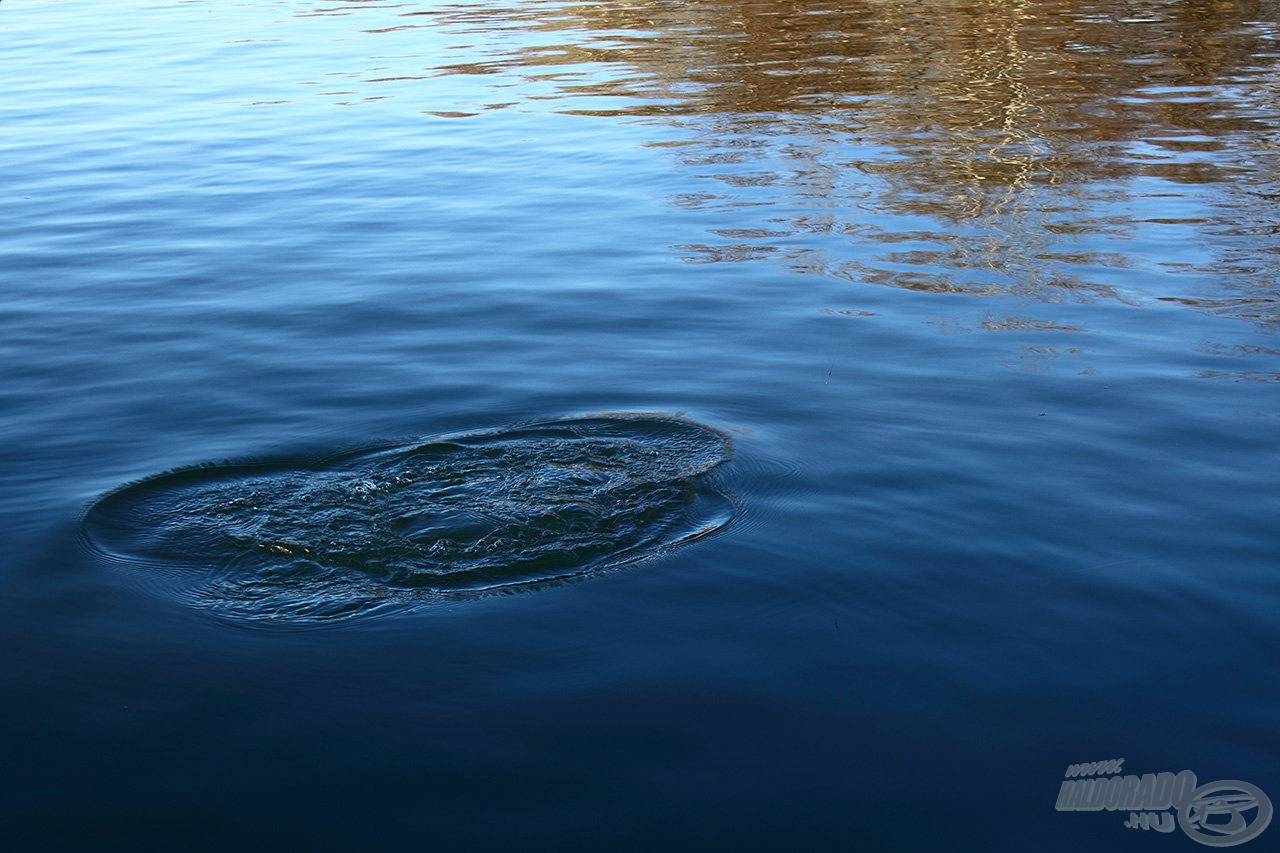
(397, 525)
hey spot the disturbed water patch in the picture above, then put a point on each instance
(397, 525)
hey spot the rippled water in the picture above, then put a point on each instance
(408, 524)
(954, 321)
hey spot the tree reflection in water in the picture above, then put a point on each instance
(1058, 150)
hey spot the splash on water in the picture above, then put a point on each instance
(400, 525)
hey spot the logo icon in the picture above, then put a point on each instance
(1222, 814)
(1219, 814)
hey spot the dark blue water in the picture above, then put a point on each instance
(980, 297)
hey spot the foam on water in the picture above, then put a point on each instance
(395, 525)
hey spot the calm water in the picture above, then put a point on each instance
(983, 294)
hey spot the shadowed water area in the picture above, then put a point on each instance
(983, 291)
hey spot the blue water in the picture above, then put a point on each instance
(984, 296)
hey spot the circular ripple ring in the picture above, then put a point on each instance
(397, 525)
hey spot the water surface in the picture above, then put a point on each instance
(408, 524)
(983, 294)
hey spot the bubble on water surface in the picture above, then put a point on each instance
(399, 525)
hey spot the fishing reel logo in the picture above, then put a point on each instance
(1219, 814)
(1216, 813)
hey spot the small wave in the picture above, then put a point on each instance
(396, 526)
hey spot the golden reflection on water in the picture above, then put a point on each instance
(1057, 149)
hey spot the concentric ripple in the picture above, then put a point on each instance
(391, 526)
